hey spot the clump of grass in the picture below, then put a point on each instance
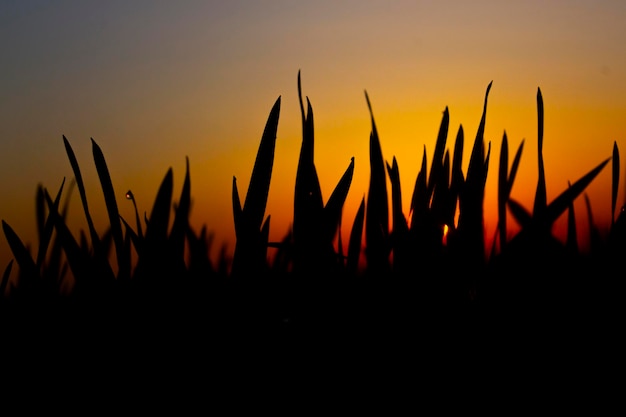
(426, 262)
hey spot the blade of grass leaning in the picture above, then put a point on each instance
(248, 221)
(399, 231)
(471, 199)
(334, 205)
(258, 190)
(28, 267)
(111, 205)
(95, 239)
(522, 216)
(560, 203)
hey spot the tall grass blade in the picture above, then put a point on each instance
(250, 246)
(112, 209)
(470, 226)
(615, 181)
(377, 219)
(258, 190)
(458, 178)
(440, 147)
(95, 239)
(421, 197)
(334, 205)
(503, 190)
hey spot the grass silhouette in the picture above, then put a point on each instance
(423, 282)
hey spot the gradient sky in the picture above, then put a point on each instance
(153, 82)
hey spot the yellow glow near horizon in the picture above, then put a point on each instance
(153, 85)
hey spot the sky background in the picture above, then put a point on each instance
(154, 82)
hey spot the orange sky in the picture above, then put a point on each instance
(153, 82)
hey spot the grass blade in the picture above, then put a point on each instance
(560, 203)
(540, 194)
(334, 205)
(377, 219)
(111, 205)
(28, 267)
(95, 239)
(258, 190)
(615, 181)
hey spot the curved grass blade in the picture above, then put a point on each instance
(560, 203)
(160, 214)
(476, 168)
(111, 205)
(308, 202)
(258, 190)
(95, 239)
(334, 205)
(27, 265)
